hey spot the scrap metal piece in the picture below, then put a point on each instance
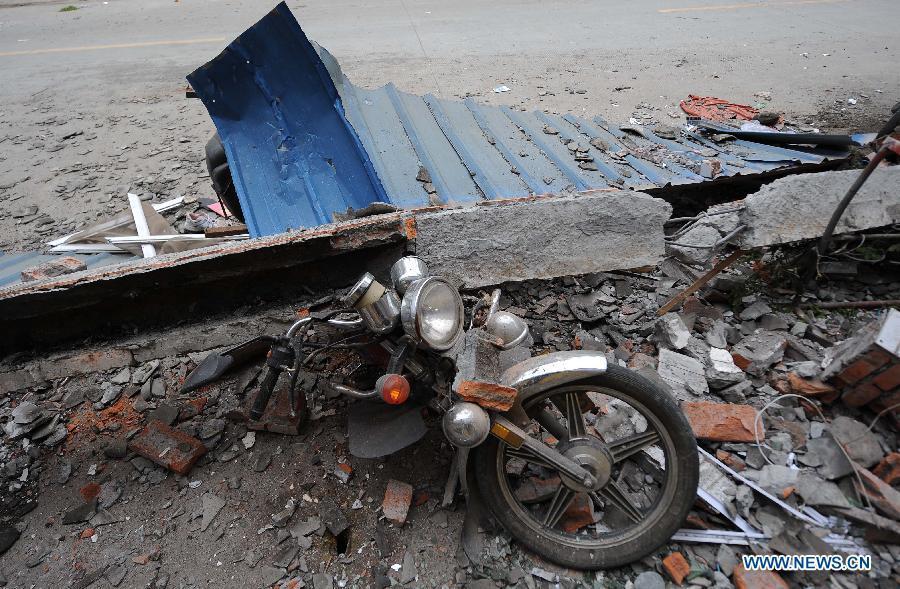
(168, 447)
(278, 417)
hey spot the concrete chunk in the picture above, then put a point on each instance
(799, 207)
(544, 237)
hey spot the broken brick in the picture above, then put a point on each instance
(488, 394)
(721, 422)
(168, 447)
(579, 514)
(888, 469)
(744, 579)
(87, 533)
(814, 389)
(676, 566)
(883, 497)
(53, 268)
(89, 492)
(397, 498)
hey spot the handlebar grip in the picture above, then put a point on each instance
(265, 391)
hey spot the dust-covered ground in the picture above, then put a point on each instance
(94, 105)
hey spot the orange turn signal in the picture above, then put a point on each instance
(394, 389)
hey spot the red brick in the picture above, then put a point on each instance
(744, 579)
(814, 389)
(862, 394)
(721, 422)
(889, 379)
(888, 469)
(488, 394)
(579, 514)
(878, 357)
(168, 447)
(855, 372)
(397, 498)
(87, 533)
(676, 566)
(884, 497)
(53, 268)
(534, 489)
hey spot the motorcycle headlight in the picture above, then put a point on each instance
(432, 313)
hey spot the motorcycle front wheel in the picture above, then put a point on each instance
(632, 436)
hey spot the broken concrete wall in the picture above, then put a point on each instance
(543, 238)
(799, 207)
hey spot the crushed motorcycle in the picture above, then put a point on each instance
(585, 462)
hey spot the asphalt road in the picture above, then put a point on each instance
(115, 71)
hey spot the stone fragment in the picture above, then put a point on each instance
(649, 580)
(858, 440)
(721, 371)
(774, 478)
(744, 579)
(80, 513)
(824, 453)
(816, 492)
(677, 567)
(727, 559)
(671, 332)
(548, 237)
(721, 422)
(756, 352)
(397, 499)
(8, 536)
(165, 413)
(684, 375)
(212, 505)
(755, 311)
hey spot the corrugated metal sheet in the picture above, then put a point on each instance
(303, 147)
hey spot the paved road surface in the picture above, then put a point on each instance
(116, 70)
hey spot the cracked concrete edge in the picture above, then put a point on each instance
(799, 207)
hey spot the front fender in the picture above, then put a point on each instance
(552, 370)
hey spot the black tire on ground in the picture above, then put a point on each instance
(622, 547)
(220, 176)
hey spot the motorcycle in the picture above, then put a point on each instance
(586, 463)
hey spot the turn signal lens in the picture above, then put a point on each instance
(394, 389)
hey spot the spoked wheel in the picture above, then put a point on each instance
(637, 445)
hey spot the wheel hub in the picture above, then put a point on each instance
(591, 455)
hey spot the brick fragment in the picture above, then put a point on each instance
(731, 460)
(814, 389)
(888, 380)
(676, 565)
(487, 394)
(168, 447)
(579, 514)
(878, 357)
(888, 469)
(397, 499)
(721, 422)
(53, 268)
(884, 497)
(534, 489)
(89, 492)
(744, 579)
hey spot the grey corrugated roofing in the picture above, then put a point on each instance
(470, 151)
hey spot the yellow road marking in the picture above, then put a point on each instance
(746, 5)
(112, 46)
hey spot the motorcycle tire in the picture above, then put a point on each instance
(676, 496)
(220, 176)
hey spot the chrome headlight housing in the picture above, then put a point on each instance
(432, 313)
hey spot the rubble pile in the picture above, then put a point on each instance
(108, 459)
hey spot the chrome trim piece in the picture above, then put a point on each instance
(552, 370)
(383, 315)
(407, 270)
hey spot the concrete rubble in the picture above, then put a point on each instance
(99, 441)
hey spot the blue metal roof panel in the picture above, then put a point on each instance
(304, 143)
